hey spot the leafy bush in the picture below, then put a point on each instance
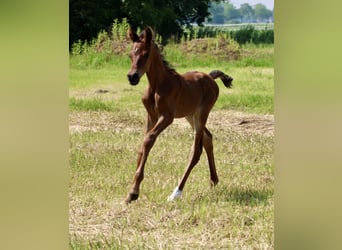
(249, 34)
(104, 43)
(264, 36)
(243, 35)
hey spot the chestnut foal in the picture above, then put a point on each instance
(170, 95)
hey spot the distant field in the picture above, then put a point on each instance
(106, 129)
(259, 26)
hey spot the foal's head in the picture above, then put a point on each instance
(140, 54)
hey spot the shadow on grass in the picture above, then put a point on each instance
(249, 197)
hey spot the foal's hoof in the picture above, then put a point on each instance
(213, 183)
(131, 197)
(175, 195)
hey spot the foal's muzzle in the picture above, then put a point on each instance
(133, 78)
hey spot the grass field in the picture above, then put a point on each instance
(106, 129)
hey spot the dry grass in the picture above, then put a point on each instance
(238, 213)
(82, 121)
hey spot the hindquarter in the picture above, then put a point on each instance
(202, 87)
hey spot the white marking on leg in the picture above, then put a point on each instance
(175, 195)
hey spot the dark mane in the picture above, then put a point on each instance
(167, 65)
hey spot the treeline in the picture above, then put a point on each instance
(169, 18)
(245, 34)
(166, 17)
(225, 12)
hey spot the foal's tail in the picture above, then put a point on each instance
(226, 79)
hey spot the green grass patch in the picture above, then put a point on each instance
(252, 90)
(97, 60)
(89, 105)
(247, 103)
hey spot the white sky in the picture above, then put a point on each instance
(268, 3)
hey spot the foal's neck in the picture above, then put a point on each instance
(157, 70)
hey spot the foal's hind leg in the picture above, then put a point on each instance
(197, 147)
(208, 145)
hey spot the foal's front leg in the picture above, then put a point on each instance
(139, 174)
(150, 122)
(149, 140)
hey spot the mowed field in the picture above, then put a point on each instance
(106, 124)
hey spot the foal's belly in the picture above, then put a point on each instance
(187, 106)
(183, 113)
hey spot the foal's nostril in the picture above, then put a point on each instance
(133, 78)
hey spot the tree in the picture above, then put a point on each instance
(231, 13)
(261, 12)
(247, 12)
(172, 15)
(217, 13)
(87, 17)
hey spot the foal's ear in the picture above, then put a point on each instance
(132, 34)
(148, 35)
